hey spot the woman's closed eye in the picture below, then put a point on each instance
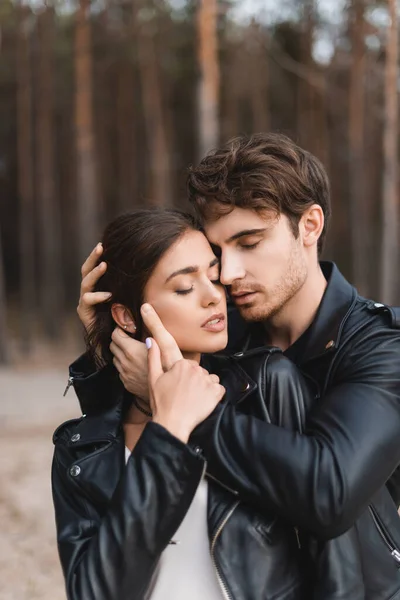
(185, 291)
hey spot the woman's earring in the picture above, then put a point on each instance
(125, 326)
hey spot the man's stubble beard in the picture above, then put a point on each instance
(284, 291)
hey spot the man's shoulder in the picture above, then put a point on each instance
(368, 328)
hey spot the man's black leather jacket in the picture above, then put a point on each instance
(328, 482)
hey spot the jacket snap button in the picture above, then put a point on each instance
(74, 471)
(330, 344)
(197, 450)
(76, 437)
(245, 387)
(378, 305)
(238, 354)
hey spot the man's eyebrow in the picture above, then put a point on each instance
(191, 269)
(245, 232)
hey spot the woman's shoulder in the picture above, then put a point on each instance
(64, 430)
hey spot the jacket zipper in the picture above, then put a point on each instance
(219, 529)
(69, 383)
(296, 530)
(389, 544)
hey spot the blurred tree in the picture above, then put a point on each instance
(4, 338)
(356, 143)
(87, 188)
(159, 148)
(28, 284)
(51, 285)
(208, 90)
(390, 201)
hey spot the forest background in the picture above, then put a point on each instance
(103, 105)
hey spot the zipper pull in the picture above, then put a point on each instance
(297, 537)
(396, 555)
(69, 383)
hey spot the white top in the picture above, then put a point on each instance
(186, 569)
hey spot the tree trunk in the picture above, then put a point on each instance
(27, 280)
(390, 234)
(305, 91)
(208, 92)
(4, 350)
(126, 136)
(258, 81)
(356, 142)
(87, 192)
(159, 152)
(51, 293)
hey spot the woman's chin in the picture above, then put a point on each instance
(215, 344)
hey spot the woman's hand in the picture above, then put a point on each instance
(185, 394)
(90, 276)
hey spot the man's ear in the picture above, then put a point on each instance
(123, 317)
(311, 225)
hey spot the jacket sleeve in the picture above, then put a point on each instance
(321, 480)
(115, 556)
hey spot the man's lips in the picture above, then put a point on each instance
(215, 323)
(243, 297)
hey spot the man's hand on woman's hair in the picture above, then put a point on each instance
(91, 273)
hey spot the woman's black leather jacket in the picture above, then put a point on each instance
(114, 521)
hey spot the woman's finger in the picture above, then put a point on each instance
(214, 378)
(92, 259)
(169, 349)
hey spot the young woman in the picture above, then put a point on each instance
(136, 516)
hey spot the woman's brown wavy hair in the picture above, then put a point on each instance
(133, 244)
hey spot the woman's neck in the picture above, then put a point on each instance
(195, 356)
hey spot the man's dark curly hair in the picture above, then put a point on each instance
(265, 171)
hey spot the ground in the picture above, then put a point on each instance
(31, 406)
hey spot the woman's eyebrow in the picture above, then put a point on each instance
(191, 269)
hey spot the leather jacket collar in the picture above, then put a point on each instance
(324, 334)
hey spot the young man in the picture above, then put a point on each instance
(265, 207)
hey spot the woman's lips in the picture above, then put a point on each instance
(216, 323)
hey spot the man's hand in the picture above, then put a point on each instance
(90, 276)
(182, 397)
(130, 360)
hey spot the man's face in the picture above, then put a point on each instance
(262, 263)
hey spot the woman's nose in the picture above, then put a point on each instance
(213, 294)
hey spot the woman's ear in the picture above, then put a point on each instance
(123, 317)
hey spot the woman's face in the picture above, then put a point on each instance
(184, 290)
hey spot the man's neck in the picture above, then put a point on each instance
(285, 327)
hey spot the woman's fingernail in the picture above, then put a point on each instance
(146, 308)
(148, 343)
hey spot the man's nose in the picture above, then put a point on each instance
(231, 270)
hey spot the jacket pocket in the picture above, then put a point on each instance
(385, 535)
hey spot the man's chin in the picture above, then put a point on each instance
(252, 313)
